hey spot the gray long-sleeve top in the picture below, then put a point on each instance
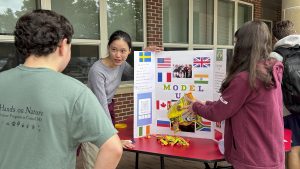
(104, 81)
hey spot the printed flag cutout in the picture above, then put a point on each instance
(201, 78)
(145, 56)
(203, 125)
(203, 62)
(162, 105)
(163, 62)
(164, 77)
(218, 135)
(143, 131)
(218, 124)
(163, 123)
(287, 139)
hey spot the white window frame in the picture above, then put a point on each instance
(102, 42)
(190, 45)
(269, 22)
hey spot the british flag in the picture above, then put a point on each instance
(203, 62)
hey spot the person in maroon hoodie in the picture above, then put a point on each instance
(250, 102)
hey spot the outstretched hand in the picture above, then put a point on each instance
(153, 48)
(127, 144)
(193, 100)
(189, 108)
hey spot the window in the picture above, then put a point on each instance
(11, 10)
(203, 24)
(127, 16)
(269, 23)
(203, 11)
(244, 14)
(83, 57)
(84, 16)
(173, 49)
(175, 21)
(229, 58)
(225, 22)
(7, 56)
(187, 25)
(93, 27)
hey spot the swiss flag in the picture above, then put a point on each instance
(162, 105)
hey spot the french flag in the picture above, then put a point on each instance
(164, 77)
(163, 123)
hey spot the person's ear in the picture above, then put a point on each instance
(64, 47)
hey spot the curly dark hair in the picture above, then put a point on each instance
(39, 32)
(283, 28)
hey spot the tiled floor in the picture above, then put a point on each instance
(153, 162)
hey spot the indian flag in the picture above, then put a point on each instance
(201, 78)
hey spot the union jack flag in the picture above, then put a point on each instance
(203, 62)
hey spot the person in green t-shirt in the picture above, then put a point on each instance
(44, 114)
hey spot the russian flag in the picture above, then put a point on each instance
(163, 123)
(164, 77)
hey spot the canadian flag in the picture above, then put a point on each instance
(162, 105)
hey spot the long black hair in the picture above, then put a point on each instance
(120, 35)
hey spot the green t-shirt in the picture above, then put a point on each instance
(44, 116)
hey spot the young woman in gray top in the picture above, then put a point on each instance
(104, 78)
(105, 75)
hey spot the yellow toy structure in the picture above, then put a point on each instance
(178, 114)
(172, 140)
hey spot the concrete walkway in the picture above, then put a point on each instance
(153, 162)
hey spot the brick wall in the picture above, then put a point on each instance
(154, 22)
(278, 16)
(123, 106)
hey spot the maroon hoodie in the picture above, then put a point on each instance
(254, 125)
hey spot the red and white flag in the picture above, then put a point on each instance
(162, 104)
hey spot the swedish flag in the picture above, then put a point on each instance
(145, 56)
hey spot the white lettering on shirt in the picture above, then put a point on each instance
(223, 101)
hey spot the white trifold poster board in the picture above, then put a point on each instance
(162, 78)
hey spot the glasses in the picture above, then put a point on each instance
(115, 50)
